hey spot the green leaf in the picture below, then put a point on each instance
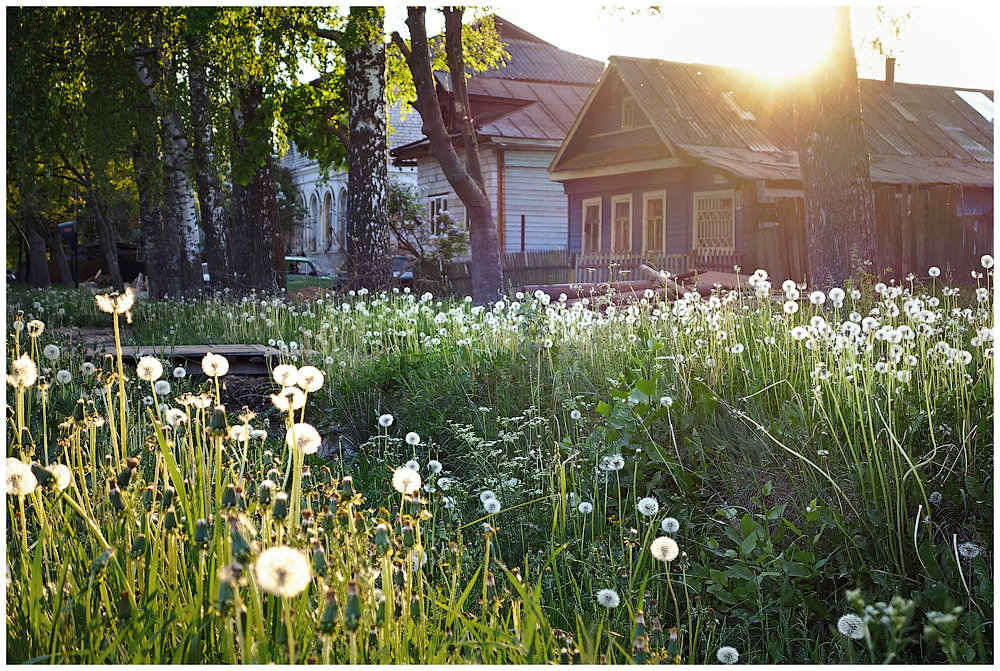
(797, 570)
(647, 387)
(749, 544)
(742, 571)
(603, 408)
(719, 577)
(928, 559)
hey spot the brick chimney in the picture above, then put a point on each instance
(890, 70)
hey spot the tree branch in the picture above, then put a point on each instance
(325, 33)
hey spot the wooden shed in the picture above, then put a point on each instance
(695, 165)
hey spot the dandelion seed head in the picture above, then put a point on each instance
(492, 506)
(648, 506)
(851, 626)
(63, 377)
(664, 549)
(608, 598)
(385, 421)
(434, 466)
(486, 495)
(214, 365)
(19, 480)
(727, 655)
(310, 378)
(149, 369)
(179, 372)
(23, 372)
(969, 550)
(406, 480)
(303, 437)
(413, 438)
(585, 508)
(283, 571)
(670, 525)
(161, 387)
(413, 465)
(575, 415)
(51, 352)
(61, 475)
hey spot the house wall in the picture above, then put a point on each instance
(527, 191)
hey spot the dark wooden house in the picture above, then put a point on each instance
(695, 166)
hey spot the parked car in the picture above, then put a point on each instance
(300, 272)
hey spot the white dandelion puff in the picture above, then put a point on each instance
(19, 480)
(61, 476)
(585, 508)
(23, 372)
(283, 571)
(492, 506)
(851, 626)
(670, 525)
(149, 369)
(303, 437)
(413, 438)
(664, 549)
(969, 550)
(51, 352)
(161, 387)
(385, 421)
(727, 655)
(608, 598)
(214, 365)
(648, 506)
(434, 466)
(413, 465)
(487, 495)
(406, 480)
(63, 377)
(310, 378)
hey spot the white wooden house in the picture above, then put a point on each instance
(522, 111)
(322, 235)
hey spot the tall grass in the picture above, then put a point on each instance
(843, 443)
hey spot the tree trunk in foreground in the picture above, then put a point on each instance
(367, 179)
(833, 157)
(487, 274)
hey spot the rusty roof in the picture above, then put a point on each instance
(744, 123)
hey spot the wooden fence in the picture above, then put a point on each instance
(562, 267)
(916, 227)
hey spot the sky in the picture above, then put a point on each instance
(943, 45)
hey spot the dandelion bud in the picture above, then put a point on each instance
(170, 520)
(415, 507)
(603, 660)
(640, 626)
(241, 549)
(415, 608)
(319, 559)
(138, 547)
(274, 475)
(347, 487)
(328, 522)
(224, 601)
(656, 637)
(280, 509)
(124, 607)
(264, 491)
(101, 563)
(373, 637)
(78, 411)
(107, 366)
(328, 620)
(398, 576)
(306, 521)
(228, 497)
(640, 650)
(352, 611)
(491, 587)
(217, 423)
(125, 477)
(201, 534)
(382, 543)
(115, 496)
(148, 494)
(168, 497)
(42, 474)
(380, 611)
(564, 656)
(408, 537)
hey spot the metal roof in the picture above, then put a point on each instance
(544, 86)
(744, 123)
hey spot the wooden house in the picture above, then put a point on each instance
(695, 166)
(521, 113)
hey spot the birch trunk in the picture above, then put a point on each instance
(367, 179)
(178, 189)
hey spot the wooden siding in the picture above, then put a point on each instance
(530, 193)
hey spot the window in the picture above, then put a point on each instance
(592, 225)
(439, 204)
(654, 231)
(621, 223)
(328, 224)
(715, 221)
(628, 112)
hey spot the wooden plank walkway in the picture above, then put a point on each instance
(243, 359)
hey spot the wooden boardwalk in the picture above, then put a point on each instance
(243, 359)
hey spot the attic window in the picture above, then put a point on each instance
(979, 102)
(628, 112)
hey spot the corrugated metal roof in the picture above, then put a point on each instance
(744, 123)
(551, 84)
